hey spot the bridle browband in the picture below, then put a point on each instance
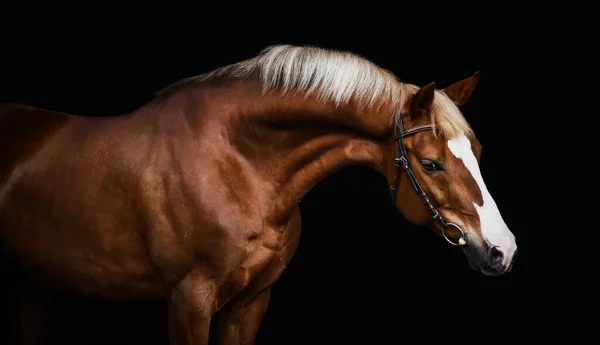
(402, 160)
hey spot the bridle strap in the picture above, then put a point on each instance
(402, 160)
(413, 130)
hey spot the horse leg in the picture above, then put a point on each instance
(32, 307)
(191, 306)
(239, 323)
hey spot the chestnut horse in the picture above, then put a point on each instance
(194, 196)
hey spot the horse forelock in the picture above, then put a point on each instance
(445, 116)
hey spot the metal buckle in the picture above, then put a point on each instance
(404, 162)
(461, 240)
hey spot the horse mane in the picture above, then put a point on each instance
(333, 76)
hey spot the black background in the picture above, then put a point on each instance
(361, 271)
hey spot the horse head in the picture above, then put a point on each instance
(444, 164)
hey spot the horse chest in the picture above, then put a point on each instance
(264, 263)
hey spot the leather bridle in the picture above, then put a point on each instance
(402, 160)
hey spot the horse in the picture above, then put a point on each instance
(193, 197)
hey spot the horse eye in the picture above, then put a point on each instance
(431, 165)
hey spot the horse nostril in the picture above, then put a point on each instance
(496, 256)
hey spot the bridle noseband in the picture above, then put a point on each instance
(402, 160)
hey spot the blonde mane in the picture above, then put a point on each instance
(333, 76)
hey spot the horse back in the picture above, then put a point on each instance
(23, 132)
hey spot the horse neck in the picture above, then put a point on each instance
(293, 142)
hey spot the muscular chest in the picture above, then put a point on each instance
(265, 261)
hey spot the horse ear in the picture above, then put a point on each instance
(422, 100)
(460, 92)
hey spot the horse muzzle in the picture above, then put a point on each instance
(488, 259)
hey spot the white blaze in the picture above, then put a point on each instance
(493, 227)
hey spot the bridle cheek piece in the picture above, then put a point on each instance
(402, 160)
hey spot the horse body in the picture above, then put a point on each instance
(68, 207)
(194, 196)
(131, 205)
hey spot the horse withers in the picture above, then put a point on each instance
(193, 197)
